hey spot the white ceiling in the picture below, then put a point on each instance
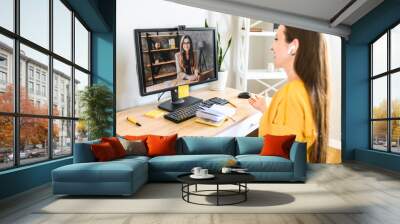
(317, 15)
(320, 9)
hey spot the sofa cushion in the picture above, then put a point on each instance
(185, 163)
(112, 171)
(207, 145)
(249, 145)
(277, 145)
(161, 145)
(116, 145)
(134, 147)
(103, 152)
(132, 158)
(83, 152)
(257, 163)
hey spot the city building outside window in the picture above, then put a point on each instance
(3, 78)
(30, 87)
(30, 72)
(43, 90)
(57, 129)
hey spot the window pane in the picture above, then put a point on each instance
(379, 55)
(81, 45)
(395, 47)
(379, 97)
(33, 140)
(395, 94)
(395, 136)
(62, 29)
(81, 81)
(6, 142)
(81, 132)
(35, 21)
(379, 135)
(62, 138)
(62, 89)
(6, 74)
(34, 72)
(7, 14)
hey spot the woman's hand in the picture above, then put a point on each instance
(258, 103)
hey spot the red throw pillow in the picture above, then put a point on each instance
(277, 145)
(116, 145)
(161, 145)
(103, 152)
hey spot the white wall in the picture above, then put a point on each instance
(146, 14)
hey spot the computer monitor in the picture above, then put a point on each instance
(170, 57)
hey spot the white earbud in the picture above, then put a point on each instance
(290, 50)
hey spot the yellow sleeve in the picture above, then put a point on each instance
(294, 116)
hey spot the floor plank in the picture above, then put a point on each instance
(376, 190)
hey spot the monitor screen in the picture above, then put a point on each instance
(167, 58)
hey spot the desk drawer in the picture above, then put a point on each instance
(243, 127)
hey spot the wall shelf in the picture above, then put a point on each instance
(161, 50)
(261, 76)
(262, 34)
(161, 63)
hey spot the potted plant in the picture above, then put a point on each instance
(96, 102)
(221, 53)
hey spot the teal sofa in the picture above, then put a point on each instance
(125, 176)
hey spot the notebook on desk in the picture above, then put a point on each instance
(155, 113)
(210, 122)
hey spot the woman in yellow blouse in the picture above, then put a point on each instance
(300, 107)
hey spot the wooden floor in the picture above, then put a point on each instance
(377, 188)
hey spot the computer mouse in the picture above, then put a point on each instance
(244, 95)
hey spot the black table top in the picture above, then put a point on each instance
(220, 178)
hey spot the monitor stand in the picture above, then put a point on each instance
(176, 103)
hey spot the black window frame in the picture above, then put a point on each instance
(388, 74)
(16, 115)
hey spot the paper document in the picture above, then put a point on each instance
(183, 91)
(221, 110)
(216, 112)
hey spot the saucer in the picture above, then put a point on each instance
(208, 176)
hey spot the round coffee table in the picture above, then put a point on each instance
(238, 179)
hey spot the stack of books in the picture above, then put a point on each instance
(214, 115)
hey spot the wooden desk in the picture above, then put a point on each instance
(246, 119)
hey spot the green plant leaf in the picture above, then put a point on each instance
(227, 48)
(96, 102)
(205, 23)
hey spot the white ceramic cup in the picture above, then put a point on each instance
(226, 170)
(196, 171)
(203, 172)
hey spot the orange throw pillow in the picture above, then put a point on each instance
(103, 152)
(116, 145)
(277, 145)
(161, 145)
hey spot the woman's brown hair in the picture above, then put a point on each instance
(182, 53)
(311, 66)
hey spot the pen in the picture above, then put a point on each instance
(232, 104)
(133, 121)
